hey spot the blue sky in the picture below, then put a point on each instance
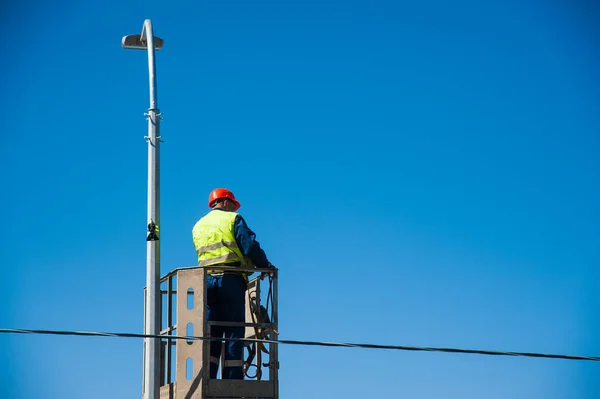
(422, 173)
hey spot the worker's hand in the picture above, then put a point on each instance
(266, 274)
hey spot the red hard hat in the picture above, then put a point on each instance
(220, 193)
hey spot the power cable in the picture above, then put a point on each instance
(306, 343)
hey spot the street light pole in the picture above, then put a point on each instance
(147, 40)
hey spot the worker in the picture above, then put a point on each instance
(222, 237)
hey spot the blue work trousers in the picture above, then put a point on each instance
(226, 302)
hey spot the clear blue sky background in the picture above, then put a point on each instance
(423, 173)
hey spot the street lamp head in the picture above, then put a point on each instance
(138, 42)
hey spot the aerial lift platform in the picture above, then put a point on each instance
(185, 363)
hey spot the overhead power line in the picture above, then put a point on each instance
(306, 343)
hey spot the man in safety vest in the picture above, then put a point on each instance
(223, 238)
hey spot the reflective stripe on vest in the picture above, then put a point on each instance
(228, 258)
(217, 245)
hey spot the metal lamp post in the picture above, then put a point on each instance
(147, 41)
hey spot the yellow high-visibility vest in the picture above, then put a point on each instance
(214, 239)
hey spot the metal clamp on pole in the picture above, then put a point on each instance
(152, 231)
